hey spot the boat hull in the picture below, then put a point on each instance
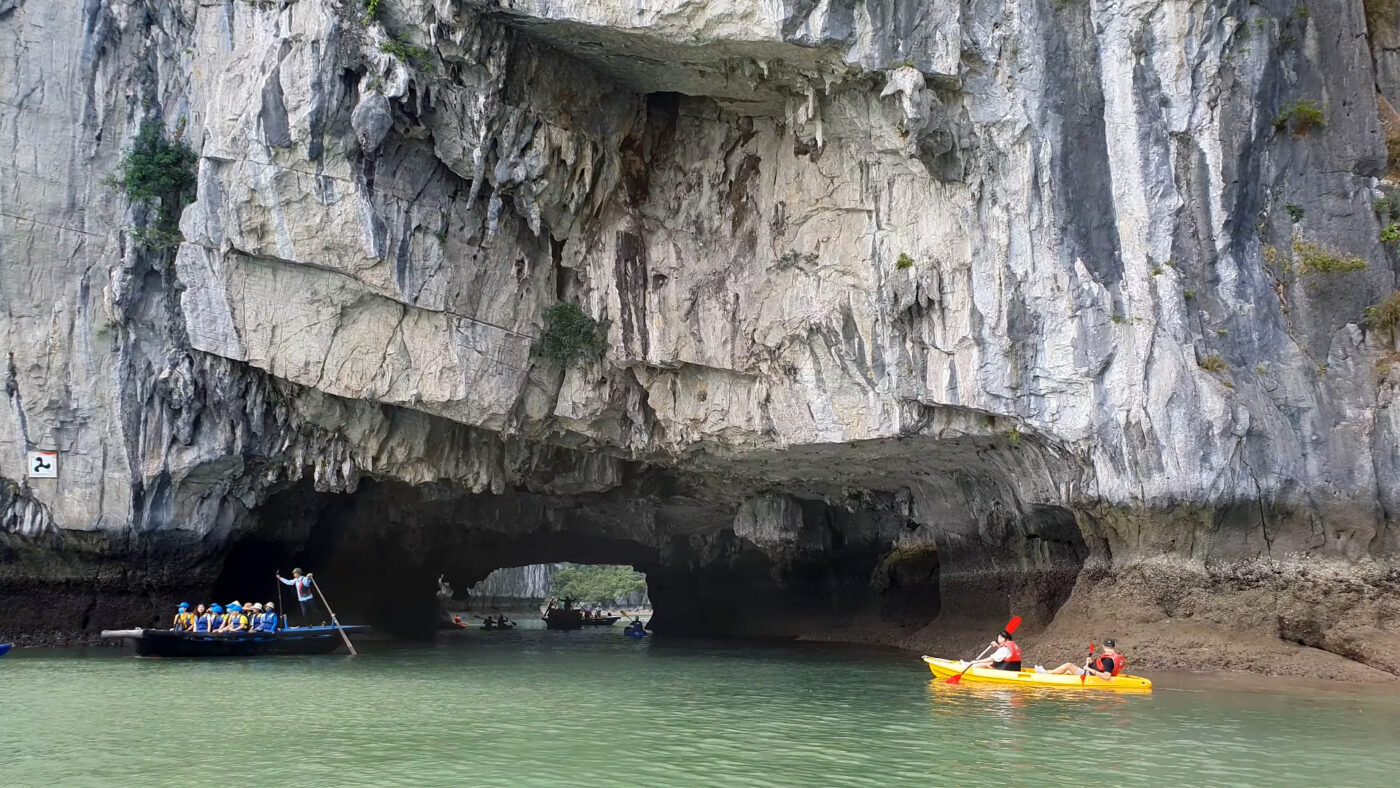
(167, 643)
(944, 668)
(605, 621)
(558, 618)
(5, 648)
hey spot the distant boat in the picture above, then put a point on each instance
(601, 621)
(169, 643)
(5, 648)
(563, 618)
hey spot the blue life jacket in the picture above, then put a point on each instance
(269, 621)
(201, 623)
(216, 621)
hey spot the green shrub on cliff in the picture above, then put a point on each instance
(1214, 363)
(1314, 259)
(407, 52)
(1301, 117)
(1386, 314)
(570, 335)
(157, 169)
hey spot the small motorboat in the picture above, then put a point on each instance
(170, 643)
(943, 668)
(601, 621)
(5, 648)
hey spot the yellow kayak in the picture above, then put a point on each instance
(943, 668)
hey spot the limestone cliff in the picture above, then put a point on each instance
(919, 313)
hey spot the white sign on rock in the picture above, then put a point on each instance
(42, 464)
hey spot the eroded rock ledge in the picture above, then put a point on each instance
(918, 314)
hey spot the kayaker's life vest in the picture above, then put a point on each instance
(1013, 660)
(1119, 662)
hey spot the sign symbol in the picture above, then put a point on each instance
(42, 464)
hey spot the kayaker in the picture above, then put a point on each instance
(201, 619)
(1108, 664)
(184, 620)
(307, 600)
(1006, 657)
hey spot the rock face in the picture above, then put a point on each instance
(918, 314)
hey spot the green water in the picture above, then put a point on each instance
(596, 709)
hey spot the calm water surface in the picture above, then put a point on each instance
(532, 708)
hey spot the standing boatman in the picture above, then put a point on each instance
(302, 583)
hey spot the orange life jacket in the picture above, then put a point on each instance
(1119, 662)
(1012, 661)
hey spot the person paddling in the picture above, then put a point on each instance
(1006, 657)
(307, 600)
(184, 620)
(1107, 665)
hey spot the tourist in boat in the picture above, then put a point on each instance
(216, 617)
(269, 617)
(255, 617)
(1107, 665)
(201, 619)
(184, 620)
(234, 620)
(1006, 657)
(307, 600)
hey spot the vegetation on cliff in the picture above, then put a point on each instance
(598, 584)
(570, 335)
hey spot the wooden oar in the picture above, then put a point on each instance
(1085, 673)
(1011, 627)
(338, 627)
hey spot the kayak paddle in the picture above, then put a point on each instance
(1011, 627)
(1085, 673)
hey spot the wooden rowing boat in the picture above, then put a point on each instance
(170, 643)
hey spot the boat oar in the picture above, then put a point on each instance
(338, 627)
(957, 678)
(1085, 673)
(1011, 627)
